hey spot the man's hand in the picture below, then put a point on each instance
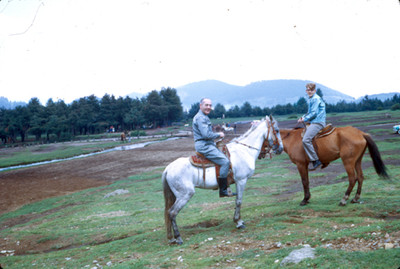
(300, 120)
(221, 134)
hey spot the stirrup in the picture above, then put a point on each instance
(226, 193)
(316, 164)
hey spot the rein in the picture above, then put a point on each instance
(294, 128)
(265, 147)
(269, 125)
(246, 145)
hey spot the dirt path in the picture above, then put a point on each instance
(27, 185)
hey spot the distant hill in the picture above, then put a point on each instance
(266, 93)
(135, 95)
(6, 104)
(380, 96)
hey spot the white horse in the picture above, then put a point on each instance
(227, 129)
(180, 178)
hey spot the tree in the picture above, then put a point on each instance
(154, 108)
(219, 111)
(246, 110)
(106, 115)
(20, 122)
(193, 110)
(173, 105)
(319, 92)
(301, 106)
(135, 117)
(234, 112)
(37, 119)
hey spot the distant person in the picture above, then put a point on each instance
(204, 144)
(316, 116)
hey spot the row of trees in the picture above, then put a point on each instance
(300, 107)
(90, 115)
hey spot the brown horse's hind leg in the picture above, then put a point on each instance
(352, 181)
(303, 170)
(360, 180)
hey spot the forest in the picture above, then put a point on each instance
(58, 121)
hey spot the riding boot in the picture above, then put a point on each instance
(223, 185)
(315, 165)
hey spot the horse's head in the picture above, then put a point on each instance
(273, 141)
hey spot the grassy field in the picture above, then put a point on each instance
(87, 229)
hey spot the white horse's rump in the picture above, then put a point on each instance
(180, 178)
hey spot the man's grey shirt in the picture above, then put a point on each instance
(202, 129)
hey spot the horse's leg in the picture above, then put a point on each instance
(350, 169)
(240, 186)
(180, 202)
(360, 179)
(303, 170)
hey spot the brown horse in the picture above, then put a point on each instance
(123, 137)
(347, 143)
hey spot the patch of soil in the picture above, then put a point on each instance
(23, 186)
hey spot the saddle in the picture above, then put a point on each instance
(199, 160)
(327, 130)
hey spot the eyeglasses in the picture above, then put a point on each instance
(309, 90)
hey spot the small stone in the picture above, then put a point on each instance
(388, 245)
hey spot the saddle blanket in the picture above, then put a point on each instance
(199, 160)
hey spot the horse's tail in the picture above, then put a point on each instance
(380, 167)
(170, 199)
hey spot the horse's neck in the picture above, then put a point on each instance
(255, 139)
(290, 138)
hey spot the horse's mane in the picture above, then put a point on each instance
(248, 132)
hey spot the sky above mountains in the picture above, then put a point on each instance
(64, 49)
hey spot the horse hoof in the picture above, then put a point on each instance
(342, 204)
(175, 241)
(355, 201)
(241, 226)
(303, 203)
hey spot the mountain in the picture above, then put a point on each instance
(380, 96)
(135, 95)
(6, 104)
(267, 93)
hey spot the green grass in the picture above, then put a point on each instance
(128, 230)
(38, 153)
(46, 152)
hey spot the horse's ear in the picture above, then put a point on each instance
(270, 117)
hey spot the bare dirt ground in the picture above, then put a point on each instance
(27, 185)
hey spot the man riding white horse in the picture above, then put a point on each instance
(204, 144)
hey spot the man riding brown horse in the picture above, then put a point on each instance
(316, 115)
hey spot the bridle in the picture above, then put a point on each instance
(266, 146)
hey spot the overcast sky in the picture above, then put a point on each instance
(67, 49)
